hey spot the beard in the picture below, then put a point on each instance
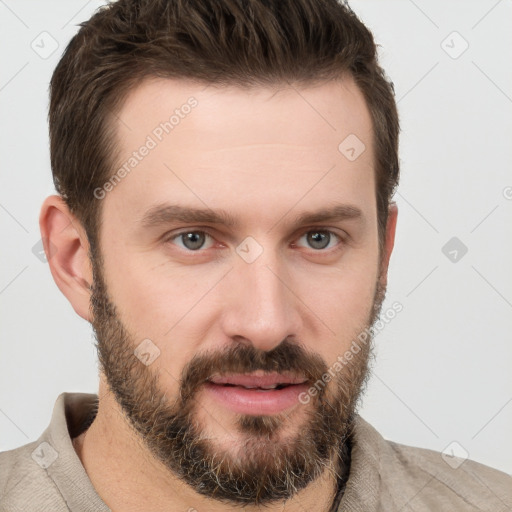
(265, 466)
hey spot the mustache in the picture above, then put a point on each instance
(286, 357)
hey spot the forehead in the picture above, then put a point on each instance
(326, 109)
(213, 144)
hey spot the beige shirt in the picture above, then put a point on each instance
(47, 475)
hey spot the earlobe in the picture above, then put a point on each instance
(67, 251)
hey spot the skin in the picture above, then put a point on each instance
(264, 156)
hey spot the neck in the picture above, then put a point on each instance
(128, 478)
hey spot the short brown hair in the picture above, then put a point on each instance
(225, 42)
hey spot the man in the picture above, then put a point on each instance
(224, 220)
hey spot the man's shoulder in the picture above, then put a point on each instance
(425, 479)
(413, 455)
(455, 473)
(47, 474)
(21, 474)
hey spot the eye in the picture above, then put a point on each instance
(320, 239)
(192, 240)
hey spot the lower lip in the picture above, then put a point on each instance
(256, 401)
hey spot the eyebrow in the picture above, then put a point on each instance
(167, 213)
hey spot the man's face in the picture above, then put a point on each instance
(248, 304)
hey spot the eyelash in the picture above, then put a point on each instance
(340, 238)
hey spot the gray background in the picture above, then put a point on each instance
(442, 378)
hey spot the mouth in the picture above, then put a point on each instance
(258, 380)
(262, 388)
(256, 393)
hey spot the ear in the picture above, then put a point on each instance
(389, 242)
(67, 252)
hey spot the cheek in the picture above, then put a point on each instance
(342, 299)
(352, 297)
(167, 304)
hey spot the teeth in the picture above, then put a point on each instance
(273, 386)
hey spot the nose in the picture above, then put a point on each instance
(261, 306)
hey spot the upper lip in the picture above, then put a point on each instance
(257, 379)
